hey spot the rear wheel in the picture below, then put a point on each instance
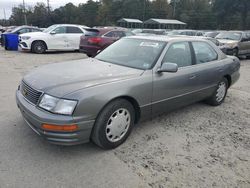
(114, 124)
(220, 93)
(38, 47)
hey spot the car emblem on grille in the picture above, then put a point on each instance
(25, 92)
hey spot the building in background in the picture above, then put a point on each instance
(164, 24)
(151, 23)
(130, 23)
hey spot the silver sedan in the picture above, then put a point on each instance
(136, 78)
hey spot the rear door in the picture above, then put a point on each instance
(209, 70)
(73, 35)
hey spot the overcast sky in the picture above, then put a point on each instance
(8, 4)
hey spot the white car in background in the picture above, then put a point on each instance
(63, 37)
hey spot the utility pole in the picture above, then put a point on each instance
(5, 20)
(24, 13)
(144, 10)
(174, 8)
(4, 13)
(48, 6)
(174, 11)
(49, 18)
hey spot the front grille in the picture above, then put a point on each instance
(29, 93)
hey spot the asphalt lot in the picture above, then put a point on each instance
(197, 146)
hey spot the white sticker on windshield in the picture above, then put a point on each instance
(146, 65)
(150, 44)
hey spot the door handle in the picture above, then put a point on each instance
(192, 77)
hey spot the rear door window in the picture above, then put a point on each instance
(73, 30)
(179, 53)
(204, 52)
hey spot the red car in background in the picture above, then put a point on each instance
(96, 39)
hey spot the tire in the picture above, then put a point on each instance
(89, 55)
(38, 47)
(219, 94)
(235, 52)
(117, 118)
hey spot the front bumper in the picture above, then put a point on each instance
(35, 117)
(228, 51)
(24, 44)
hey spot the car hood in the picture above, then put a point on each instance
(60, 79)
(31, 34)
(226, 41)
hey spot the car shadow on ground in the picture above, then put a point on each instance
(51, 52)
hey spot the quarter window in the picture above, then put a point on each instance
(179, 53)
(204, 52)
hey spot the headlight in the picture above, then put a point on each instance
(230, 45)
(25, 38)
(56, 105)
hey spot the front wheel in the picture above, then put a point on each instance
(114, 124)
(38, 47)
(220, 93)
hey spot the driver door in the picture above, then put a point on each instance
(58, 39)
(172, 90)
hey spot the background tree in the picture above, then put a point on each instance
(198, 14)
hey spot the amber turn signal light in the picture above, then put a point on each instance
(66, 128)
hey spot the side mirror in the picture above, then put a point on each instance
(168, 67)
(52, 32)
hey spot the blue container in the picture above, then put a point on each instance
(10, 41)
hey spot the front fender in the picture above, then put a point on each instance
(92, 100)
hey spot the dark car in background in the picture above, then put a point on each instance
(235, 43)
(97, 39)
(19, 30)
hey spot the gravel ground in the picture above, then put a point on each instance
(196, 146)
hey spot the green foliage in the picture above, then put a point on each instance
(198, 14)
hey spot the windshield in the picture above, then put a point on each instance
(135, 53)
(229, 36)
(49, 29)
(16, 29)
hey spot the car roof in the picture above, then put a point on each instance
(26, 26)
(72, 25)
(164, 38)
